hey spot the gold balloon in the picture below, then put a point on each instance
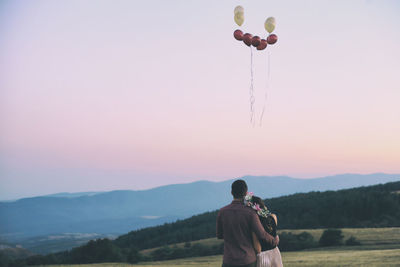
(239, 18)
(238, 9)
(269, 24)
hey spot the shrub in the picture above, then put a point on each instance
(133, 256)
(291, 242)
(100, 250)
(331, 237)
(352, 241)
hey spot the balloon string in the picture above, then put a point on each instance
(251, 92)
(267, 85)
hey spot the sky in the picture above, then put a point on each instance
(106, 95)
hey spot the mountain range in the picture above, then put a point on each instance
(117, 212)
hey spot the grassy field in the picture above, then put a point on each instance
(366, 236)
(379, 247)
(338, 257)
(314, 258)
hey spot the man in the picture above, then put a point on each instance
(235, 224)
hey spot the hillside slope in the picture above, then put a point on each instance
(373, 206)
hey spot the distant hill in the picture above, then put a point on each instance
(73, 195)
(118, 212)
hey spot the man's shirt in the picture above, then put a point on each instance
(235, 223)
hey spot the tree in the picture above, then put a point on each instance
(133, 256)
(331, 237)
(100, 250)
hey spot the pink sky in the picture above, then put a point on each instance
(103, 95)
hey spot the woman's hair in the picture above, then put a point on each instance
(259, 201)
(269, 222)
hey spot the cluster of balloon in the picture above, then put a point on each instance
(248, 38)
(260, 44)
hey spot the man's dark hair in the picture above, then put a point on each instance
(239, 189)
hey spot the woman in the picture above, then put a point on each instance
(267, 256)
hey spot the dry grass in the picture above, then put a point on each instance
(206, 242)
(326, 258)
(320, 258)
(367, 236)
(380, 247)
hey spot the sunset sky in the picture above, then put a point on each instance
(104, 95)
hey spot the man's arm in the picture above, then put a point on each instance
(258, 229)
(220, 232)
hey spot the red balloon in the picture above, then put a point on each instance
(272, 38)
(255, 41)
(262, 45)
(247, 37)
(238, 34)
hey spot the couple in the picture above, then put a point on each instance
(248, 230)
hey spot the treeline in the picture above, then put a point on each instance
(95, 251)
(304, 240)
(373, 206)
(104, 250)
